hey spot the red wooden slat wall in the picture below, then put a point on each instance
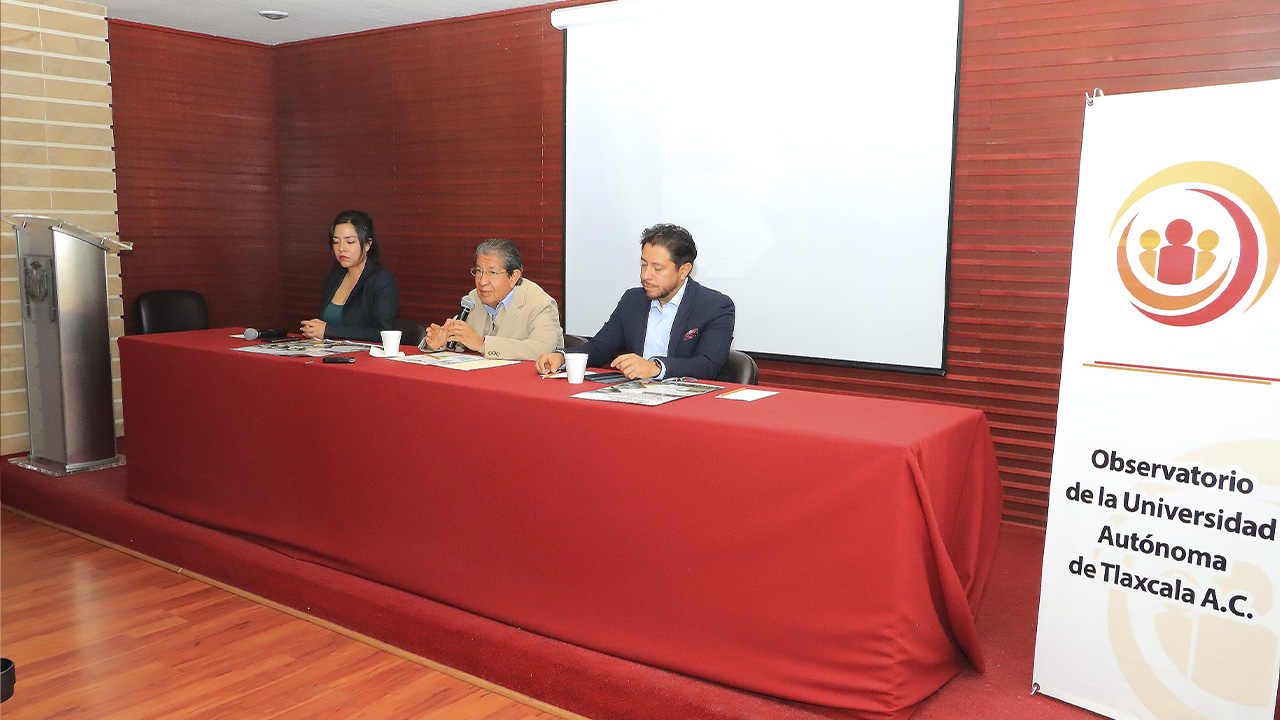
(1026, 67)
(448, 133)
(195, 136)
(452, 132)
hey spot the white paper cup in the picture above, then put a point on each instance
(390, 342)
(575, 366)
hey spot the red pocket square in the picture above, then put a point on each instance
(691, 334)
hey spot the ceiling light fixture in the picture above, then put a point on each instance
(273, 14)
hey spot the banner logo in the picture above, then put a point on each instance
(1195, 241)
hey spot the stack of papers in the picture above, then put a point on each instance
(304, 348)
(453, 360)
(648, 392)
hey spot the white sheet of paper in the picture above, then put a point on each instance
(746, 394)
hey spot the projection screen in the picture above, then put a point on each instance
(807, 146)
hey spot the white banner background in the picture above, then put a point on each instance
(1124, 630)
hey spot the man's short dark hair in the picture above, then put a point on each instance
(678, 242)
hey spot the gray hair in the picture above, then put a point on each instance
(505, 250)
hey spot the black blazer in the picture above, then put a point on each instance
(700, 336)
(372, 306)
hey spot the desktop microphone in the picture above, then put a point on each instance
(467, 304)
(264, 334)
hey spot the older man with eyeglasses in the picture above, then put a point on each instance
(513, 319)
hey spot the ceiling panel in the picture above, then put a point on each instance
(307, 19)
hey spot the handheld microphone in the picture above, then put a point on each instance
(264, 334)
(467, 304)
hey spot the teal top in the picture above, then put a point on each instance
(332, 313)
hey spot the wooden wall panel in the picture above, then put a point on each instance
(195, 145)
(451, 132)
(55, 160)
(1026, 67)
(447, 133)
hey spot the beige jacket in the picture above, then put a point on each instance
(528, 327)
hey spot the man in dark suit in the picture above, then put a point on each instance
(670, 326)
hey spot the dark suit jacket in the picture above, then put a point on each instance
(372, 306)
(700, 336)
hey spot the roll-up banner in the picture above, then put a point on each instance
(1160, 595)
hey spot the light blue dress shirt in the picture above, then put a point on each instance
(657, 334)
(493, 311)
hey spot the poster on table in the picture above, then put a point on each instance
(1160, 595)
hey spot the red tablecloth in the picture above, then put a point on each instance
(820, 548)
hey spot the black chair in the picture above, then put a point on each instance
(411, 333)
(162, 311)
(739, 368)
(573, 340)
(7, 677)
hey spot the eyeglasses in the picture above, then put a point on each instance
(477, 272)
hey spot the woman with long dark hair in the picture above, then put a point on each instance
(360, 295)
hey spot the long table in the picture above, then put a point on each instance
(820, 548)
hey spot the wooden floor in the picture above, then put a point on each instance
(97, 633)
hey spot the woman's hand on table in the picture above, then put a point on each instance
(313, 328)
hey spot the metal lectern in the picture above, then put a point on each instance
(66, 338)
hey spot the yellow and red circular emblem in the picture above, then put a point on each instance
(1195, 241)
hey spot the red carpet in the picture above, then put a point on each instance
(589, 683)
